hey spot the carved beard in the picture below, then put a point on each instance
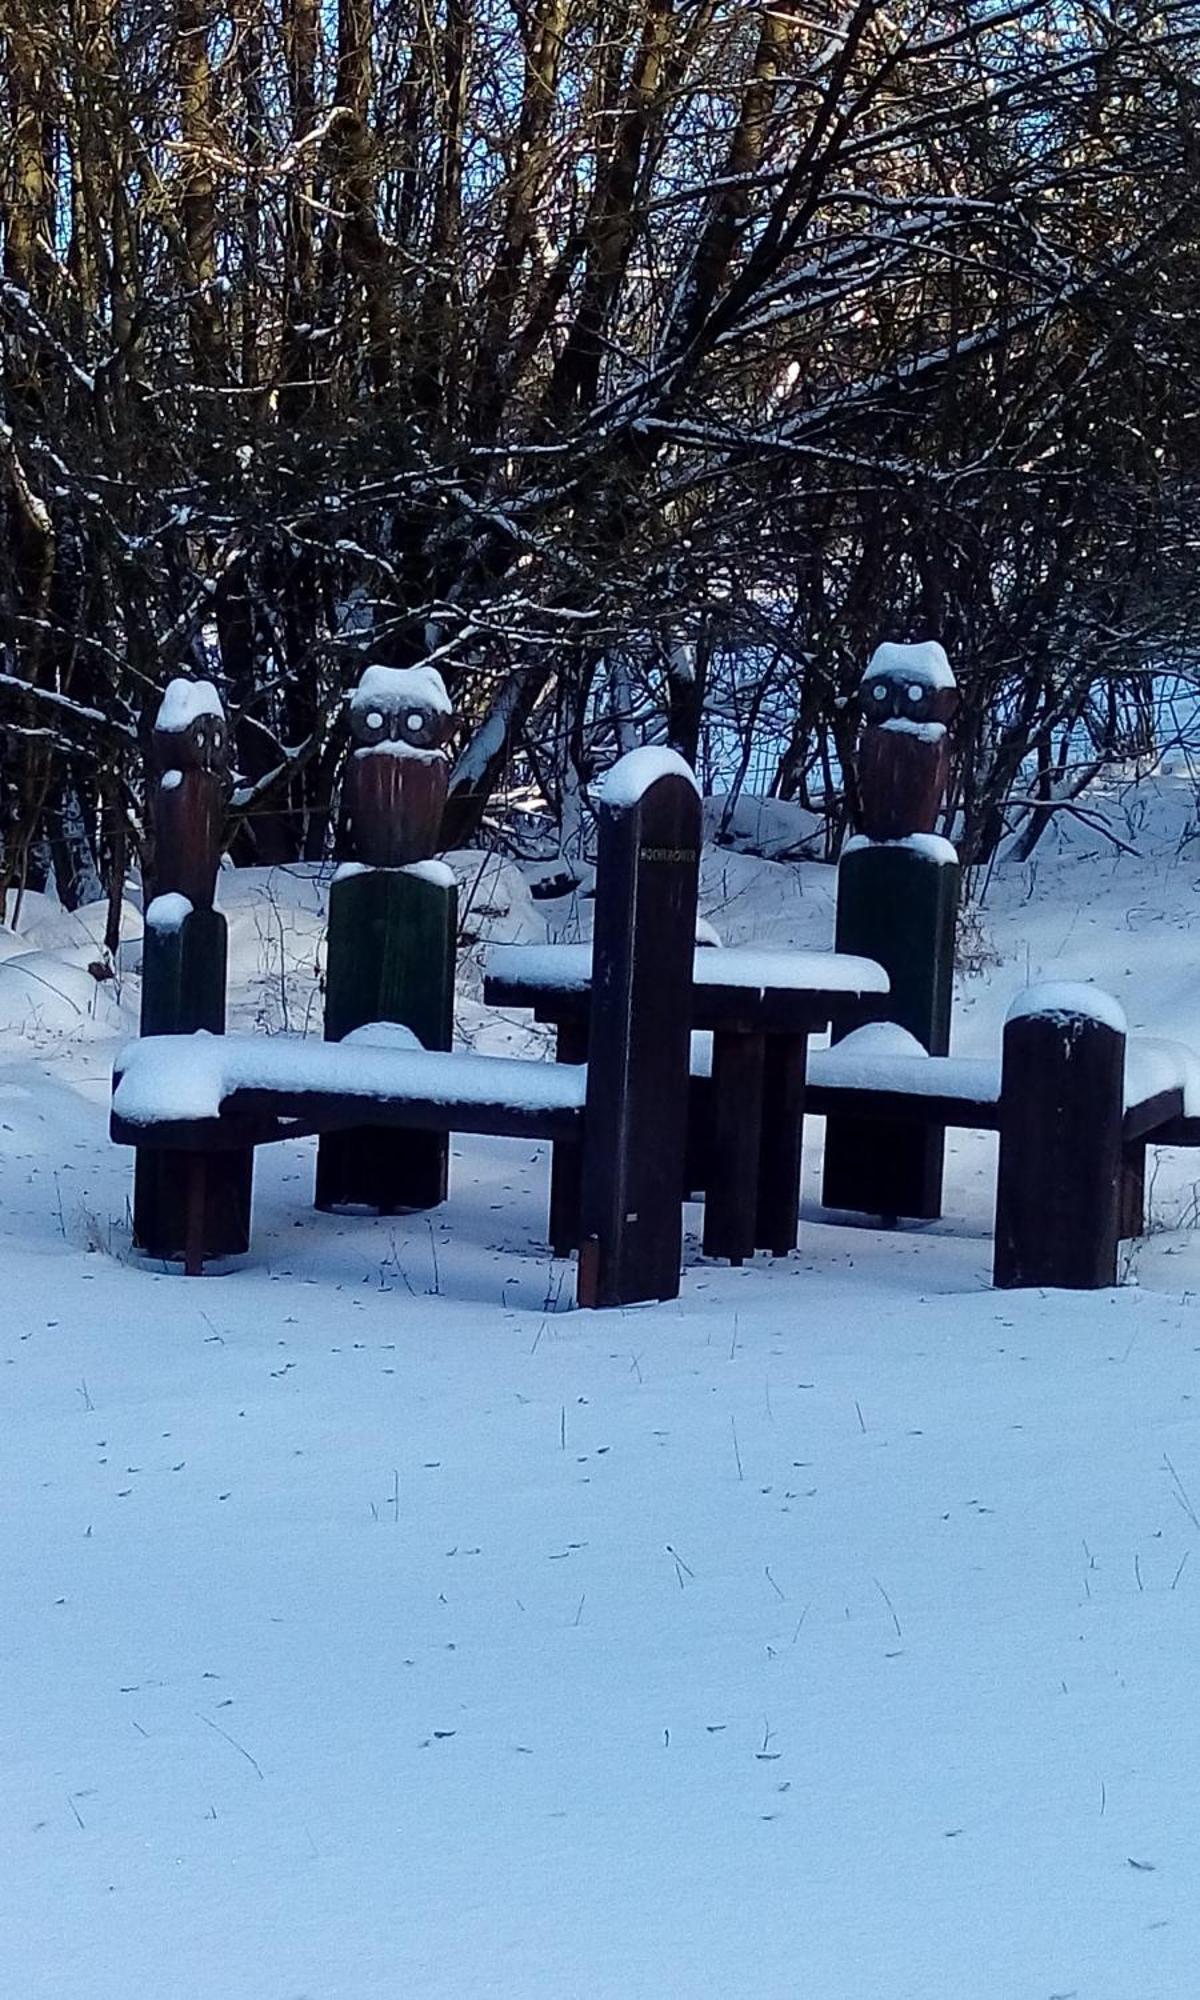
(395, 804)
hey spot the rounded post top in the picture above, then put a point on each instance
(1064, 1000)
(190, 730)
(631, 777)
(401, 708)
(925, 662)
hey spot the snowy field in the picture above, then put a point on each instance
(375, 1625)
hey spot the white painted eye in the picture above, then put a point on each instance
(414, 721)
(374, 719)
(915, 693)
(879, 692)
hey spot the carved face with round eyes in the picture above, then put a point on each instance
(202, 745)
(891, 697)
(420, 725)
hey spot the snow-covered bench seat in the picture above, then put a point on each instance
(1076, 1101)
(199, 1105)
(197, 1092)
(883, 1072)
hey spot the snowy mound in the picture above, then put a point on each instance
(44, 998)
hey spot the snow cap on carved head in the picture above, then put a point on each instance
(407, 706)
(190, 730)
(909, 683)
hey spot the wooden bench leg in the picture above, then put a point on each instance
(731, 1196)
(566, 1155)
(780, 1156)
(1133, 1191)
(164, 1217)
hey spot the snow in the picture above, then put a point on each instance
(167, 1077)
(396, 746)
(925, 664)
(168, 913)
(930, 847)
(1069, 999)
(776, 829)
(632, 776)
(905, 725)
(425, 871)
(859, 1063)
(396, 689)
(832, 1630)
(184, 701)
(567, 968)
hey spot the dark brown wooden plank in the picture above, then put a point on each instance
(780, 1151)
(1146, 1118)
(820, 1099)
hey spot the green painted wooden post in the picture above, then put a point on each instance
(391, 957)
(898, 904)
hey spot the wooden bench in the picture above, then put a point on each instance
(196, 1098)
(1076, 1103)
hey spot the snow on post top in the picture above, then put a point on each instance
(184, 701)
(929, 846)
(391, 690)
(925, 663)
(624, 786)
(1064, 999)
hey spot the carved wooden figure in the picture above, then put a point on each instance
(191, 751)
(395, 790)
(393, 920)
(182, 1199)
(908, 701)
(898, 903)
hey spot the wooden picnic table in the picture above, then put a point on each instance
(761, 1008)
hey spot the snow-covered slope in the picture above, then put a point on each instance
(374, 1625)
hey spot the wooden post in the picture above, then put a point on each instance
(898, 887)
(635, 1120)
(393, 922)
(566, 1158)
(898, 904)
(780, 1149)
(1061, 1111)
(188, 1206)
(732, 1190)
(1133, 1191)
(391, 957)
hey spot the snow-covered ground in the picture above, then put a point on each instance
(376, 1625)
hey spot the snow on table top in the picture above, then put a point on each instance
(165, 1078)
(392, 689)
(632, 776)
(184, 700)
(1069, 998)
(567, 968)
(924, 662)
